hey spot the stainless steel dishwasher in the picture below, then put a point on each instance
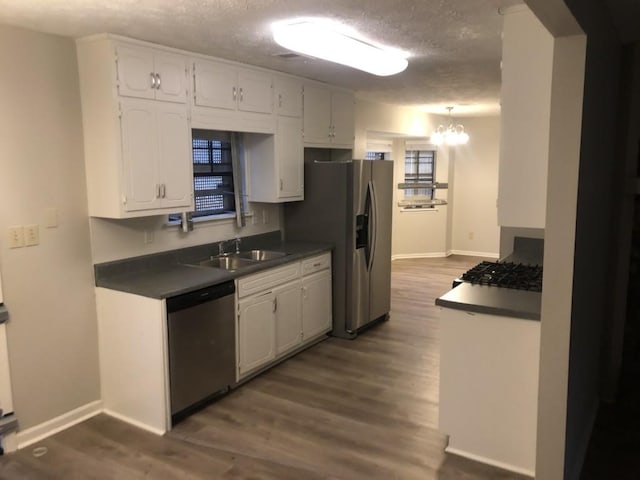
(202, 350)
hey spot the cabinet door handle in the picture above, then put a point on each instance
(275, 304)
(280, 100)
(304, 292)
(235, 91)
(281, 185)
(164, 190)
(158, 191)
(158, 81)
(241, 94)
(152, 76)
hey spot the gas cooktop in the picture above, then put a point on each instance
(505, 274)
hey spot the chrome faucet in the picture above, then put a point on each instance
(221, 245)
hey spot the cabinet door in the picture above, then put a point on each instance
(317, 115)
(288, 317)
(254, 91)
(256, 332)
(135, 72)
(288, 96)
(342, 117)
(139, 153)
(172, 77)
(289, 158)
(316, 304)
(175, 167)
(215, 85)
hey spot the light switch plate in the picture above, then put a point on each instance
(15, 236)
(51, 217)
(31, 235)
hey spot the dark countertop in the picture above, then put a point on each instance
(173, 273)
(493, 301)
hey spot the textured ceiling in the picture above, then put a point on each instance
(454, 45)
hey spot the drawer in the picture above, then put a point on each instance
(317, 263)
(267, 279)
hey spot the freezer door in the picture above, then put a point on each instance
(380, 274)
(358, 302)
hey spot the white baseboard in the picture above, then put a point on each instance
(39, 432)
(489, 461)
(400, 256)
(133, 422)
(474, 254)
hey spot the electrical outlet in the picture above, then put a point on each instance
(148, 236)
(31, 235)
(15, 236)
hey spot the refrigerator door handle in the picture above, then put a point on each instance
(373, 224)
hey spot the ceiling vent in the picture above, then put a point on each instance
(287, 55)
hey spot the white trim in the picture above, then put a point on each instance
(57, 424)
(400, 256)
(469, 253)
(488, 461)
(133, 422)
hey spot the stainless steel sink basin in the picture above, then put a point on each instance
(233, 261)
(227, 262)
(260, 255)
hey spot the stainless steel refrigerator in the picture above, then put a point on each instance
(349, 204)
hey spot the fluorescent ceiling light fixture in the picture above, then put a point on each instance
(329, 41)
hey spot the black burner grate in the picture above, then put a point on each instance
(508, 275)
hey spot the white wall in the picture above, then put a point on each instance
(48, 288)
(425, 232)
(475, 228)
(117, 239)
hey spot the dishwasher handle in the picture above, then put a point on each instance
(203, 295)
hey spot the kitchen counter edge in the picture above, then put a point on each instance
(173, 279)
(492, 300)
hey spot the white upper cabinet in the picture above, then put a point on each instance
(145, 73)
(220, 85)
(276, 163)
(137, 135)
(527, 62)
(288, 96)
(328, 117)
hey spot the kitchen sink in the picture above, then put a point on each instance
(260, 255)
(227, 262)
(233, 261)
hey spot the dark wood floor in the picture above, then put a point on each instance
(361, 409)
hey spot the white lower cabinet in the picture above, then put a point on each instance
(316, 304)
(288, 311)
(256, 339)
(281, 309)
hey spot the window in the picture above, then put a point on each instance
(213, 174)
(419, 167)
(377, 156)
(212, 177)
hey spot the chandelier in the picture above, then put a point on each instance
(452, 135)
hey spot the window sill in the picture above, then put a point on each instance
(419, 210)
